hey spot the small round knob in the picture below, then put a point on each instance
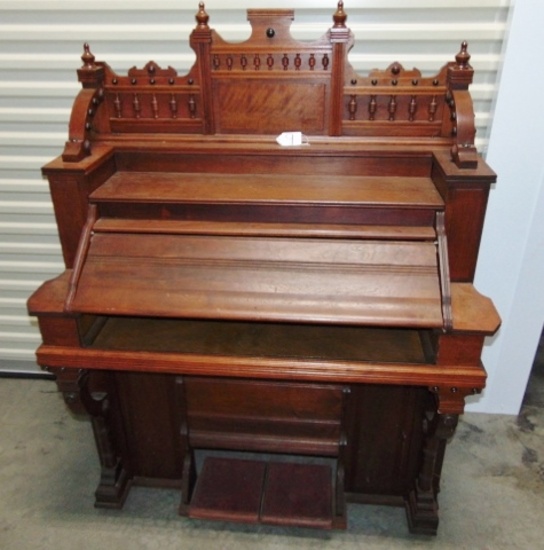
(270, 32)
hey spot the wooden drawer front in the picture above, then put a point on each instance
(264, 416)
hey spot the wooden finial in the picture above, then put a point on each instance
(91, 74)
(340, 16)
(463, 57)
(87, 57)
(202, 17)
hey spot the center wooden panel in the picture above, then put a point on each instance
(269, 107)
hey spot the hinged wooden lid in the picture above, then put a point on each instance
(373, 282)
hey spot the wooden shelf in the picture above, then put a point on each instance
(281, 340)
(216, 188)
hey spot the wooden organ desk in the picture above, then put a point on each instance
(225, 293)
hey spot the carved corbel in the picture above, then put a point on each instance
(114, 482)
(69, 383)
(78, 145)
(422, 503)
(463, 151)
(450, 399)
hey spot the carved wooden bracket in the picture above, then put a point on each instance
(114, 479)
(86, 104)
(463, 151)
(422, 505)
(69, 383)
(451, 399)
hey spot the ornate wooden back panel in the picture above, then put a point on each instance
(273, 83)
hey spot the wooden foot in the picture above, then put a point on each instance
(422, 512)
(113, 488)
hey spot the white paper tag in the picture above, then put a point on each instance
(292, 139)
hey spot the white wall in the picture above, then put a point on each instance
(511, 262)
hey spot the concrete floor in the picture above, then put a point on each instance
(492, 489)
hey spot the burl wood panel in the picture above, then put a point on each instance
(254, 107)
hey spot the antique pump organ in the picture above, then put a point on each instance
(225, 293)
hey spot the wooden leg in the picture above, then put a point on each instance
(114, 482)
(422, 504)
